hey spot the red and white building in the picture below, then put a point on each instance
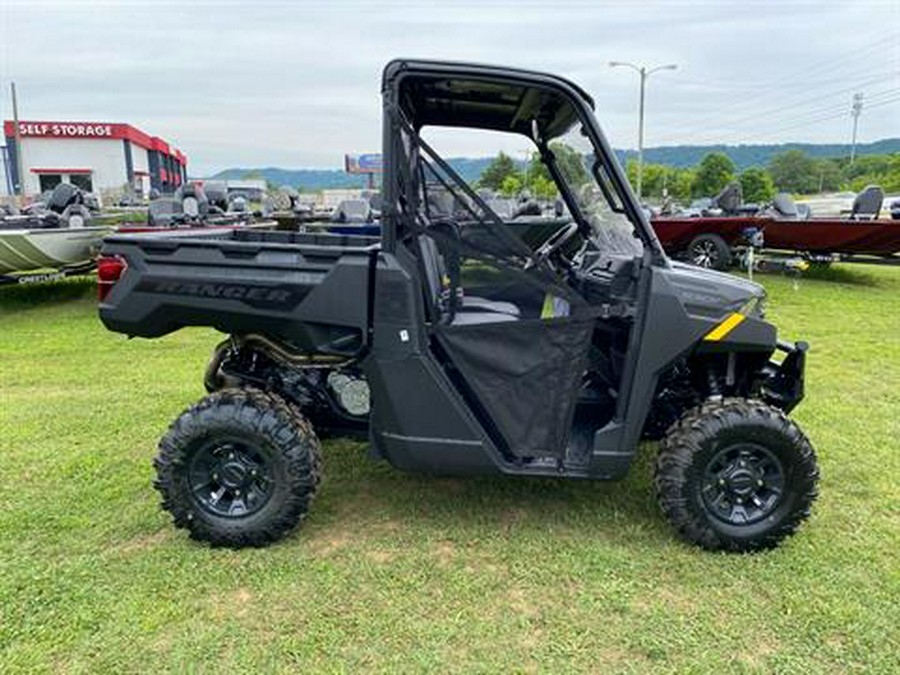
(96, 156)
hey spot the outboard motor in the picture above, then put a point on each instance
(216, 194)
(527, 208)
(63, 195)
(352, 211)
(867, 205)
(194, 204)
(237, 204)
(164, 212)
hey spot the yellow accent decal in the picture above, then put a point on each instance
(547, 307)
(724, 328)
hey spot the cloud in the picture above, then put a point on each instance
(297, 84)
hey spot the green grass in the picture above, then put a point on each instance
(404, 573)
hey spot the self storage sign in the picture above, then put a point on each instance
(66, 130)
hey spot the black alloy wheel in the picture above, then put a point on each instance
(230, 478)
(735, 475)
(743, 484)
(240, 468)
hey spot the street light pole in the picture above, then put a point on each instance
(644, 74)
(855, 112)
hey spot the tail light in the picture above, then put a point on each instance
(110, 269)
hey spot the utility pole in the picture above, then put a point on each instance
(18, 136)
(856, 110)
(644, 73)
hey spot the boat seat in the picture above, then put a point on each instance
(867, 204)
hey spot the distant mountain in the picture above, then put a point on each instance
(470, 168)
(310, 179)
(745, 156)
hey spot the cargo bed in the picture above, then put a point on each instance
(285, 284)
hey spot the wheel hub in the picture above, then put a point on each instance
(743, 484)
(705, 254)
(232, 474)
(230, 479)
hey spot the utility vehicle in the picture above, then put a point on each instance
(455, 347)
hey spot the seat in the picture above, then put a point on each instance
(867, 205)
(472, 310)
(785, 206)
(450, 229)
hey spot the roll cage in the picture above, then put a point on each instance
(537, 105)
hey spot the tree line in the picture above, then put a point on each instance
(791, 171)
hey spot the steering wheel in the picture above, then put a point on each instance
(554, 243)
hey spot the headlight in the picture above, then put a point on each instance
(754, 307)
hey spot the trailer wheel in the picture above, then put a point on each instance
(735, 475)
(710, 251)
(240, 468)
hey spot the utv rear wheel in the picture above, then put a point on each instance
(710, 251)
(735, 475)
(240, 468)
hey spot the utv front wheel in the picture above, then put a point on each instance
(240, 468)
(735, 475)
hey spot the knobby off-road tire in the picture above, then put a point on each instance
(735, 475)
(239, 468)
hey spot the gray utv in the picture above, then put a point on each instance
(457, 342)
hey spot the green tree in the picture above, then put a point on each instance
(543, 188)
(883, 170)
(511, 185)
(570, 163)
(829, 173)
(793, 171)
(757, 185)
(495, 173)
(538, 179)
(679, 183)
(714, 172)
(536, 170)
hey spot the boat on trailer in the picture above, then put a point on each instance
(49, 239)
(39, 254)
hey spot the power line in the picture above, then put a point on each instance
(795, 78)
(811, 122)
(781, 109)
(842, 106)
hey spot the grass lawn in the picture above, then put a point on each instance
(404, 573)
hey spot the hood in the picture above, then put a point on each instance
(710, 294)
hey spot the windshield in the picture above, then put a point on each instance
(588, 183)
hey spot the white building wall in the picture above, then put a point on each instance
(140, 161)
(104, 157)
(140, 158)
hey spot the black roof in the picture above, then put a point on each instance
(475, 95)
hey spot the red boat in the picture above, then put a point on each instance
(711, 241)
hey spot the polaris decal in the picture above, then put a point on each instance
(273, 297)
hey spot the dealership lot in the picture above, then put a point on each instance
(404, 572)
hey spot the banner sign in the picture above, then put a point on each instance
(370, 163)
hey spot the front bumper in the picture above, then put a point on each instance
(783, 382)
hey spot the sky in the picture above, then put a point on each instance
(296, 84)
